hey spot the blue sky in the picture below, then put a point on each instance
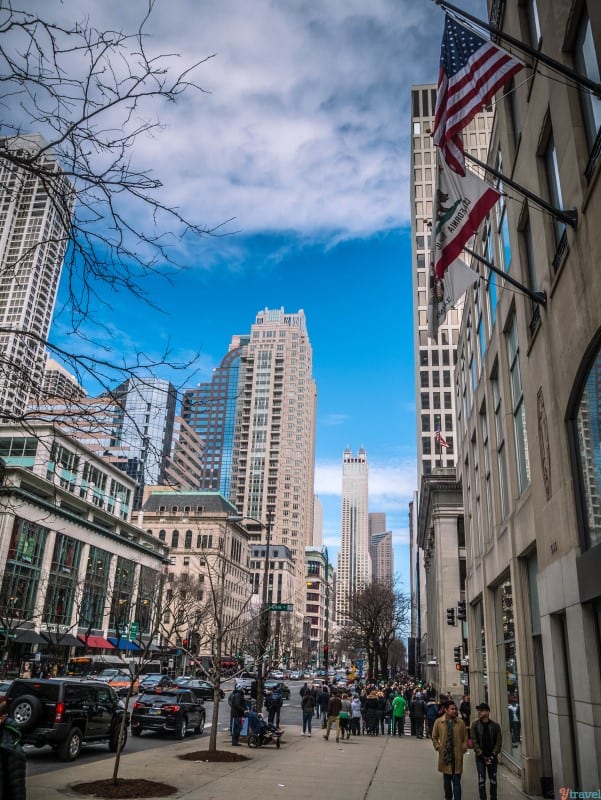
(301, 138)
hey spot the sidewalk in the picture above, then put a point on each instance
(364, 768)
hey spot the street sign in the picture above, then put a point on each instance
(281, 607)
(133, 630)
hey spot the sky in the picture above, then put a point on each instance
(298, 147)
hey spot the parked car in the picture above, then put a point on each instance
(171, 711)
(155, 680)
(244, 681)
(66, 714)
(199, 688)
(296, 675)
(271, 686)
(277, 675)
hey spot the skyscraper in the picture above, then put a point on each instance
(34, 220)
(257, 420)
(354, 561)
(210, 409)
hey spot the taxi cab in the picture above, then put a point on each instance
(120, 683)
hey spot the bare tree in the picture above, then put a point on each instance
(378, 614)
(92, 95)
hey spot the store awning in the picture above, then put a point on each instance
(61, 639)
(28, 637)
(123, 644)
(96, 642)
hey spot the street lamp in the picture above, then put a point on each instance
(264, 618)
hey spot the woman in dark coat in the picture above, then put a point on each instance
(371, 714)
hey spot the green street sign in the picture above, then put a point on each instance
(281, 607)
(133, 630)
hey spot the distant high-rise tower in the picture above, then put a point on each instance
(210, 409)
(59, 383)
(257, 421)
(35, 215)
(382, 560)
(354, 562)
(377, 522)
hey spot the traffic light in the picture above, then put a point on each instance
(450, 616)
(457, 654)
(461, 610)
(185, 644)
(326, 650)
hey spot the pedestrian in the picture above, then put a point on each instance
(487, 740)
(12, 758)
(381, 712)
(465, 710)
(449, 738)
(323, 701)
(371, 713)
(307, 707)
(388, 711)
(304, 689)
(356, 716)
(344, 715)
(418, 712)
(431, 715)
(237, 703)
(334, 706)
(398, 715)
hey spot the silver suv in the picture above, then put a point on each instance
(245, 681)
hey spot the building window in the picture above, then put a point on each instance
(551, 169)
(500, 445)
(517, 407)
(502, 223)
(587, 419)
(587, 64)
(508, 670)
(175, 539)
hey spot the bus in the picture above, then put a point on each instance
(84, 666)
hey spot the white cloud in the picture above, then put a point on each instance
(334, 419)
(391, 483)
(305, 123)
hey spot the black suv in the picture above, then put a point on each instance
(66, 714)
(170, 710)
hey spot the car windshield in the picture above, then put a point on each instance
(45, 690)
(159, 699)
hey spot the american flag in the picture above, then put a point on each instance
(472, 70)
(440, 439)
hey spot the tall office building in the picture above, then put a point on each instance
(210, 409)
(382, 560)
(354, 561)
(257, 420)
(35, 215)
(376, 521)
(58, 382)
(434, 362)
(435, 395)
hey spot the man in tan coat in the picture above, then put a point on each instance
(449, 737)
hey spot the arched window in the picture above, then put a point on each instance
(586, 418)
(188, 543)
(175, 539)
(162, 536)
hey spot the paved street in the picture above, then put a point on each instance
(365, 768)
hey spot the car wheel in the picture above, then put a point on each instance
(114, 738)
(253, 740)
(71, 747)
(182, 729)
(199, 729)
(26, 711)
(137, 731)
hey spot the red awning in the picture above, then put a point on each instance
(96, 643)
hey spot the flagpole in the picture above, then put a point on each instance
(569, 217)
(437, 440)
(582, 80)
(536, 297)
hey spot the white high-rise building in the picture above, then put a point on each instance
(273, 459)
(35, 215)
(354, 561)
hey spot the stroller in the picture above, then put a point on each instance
(261, 732)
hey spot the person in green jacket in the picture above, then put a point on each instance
(398, 715)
